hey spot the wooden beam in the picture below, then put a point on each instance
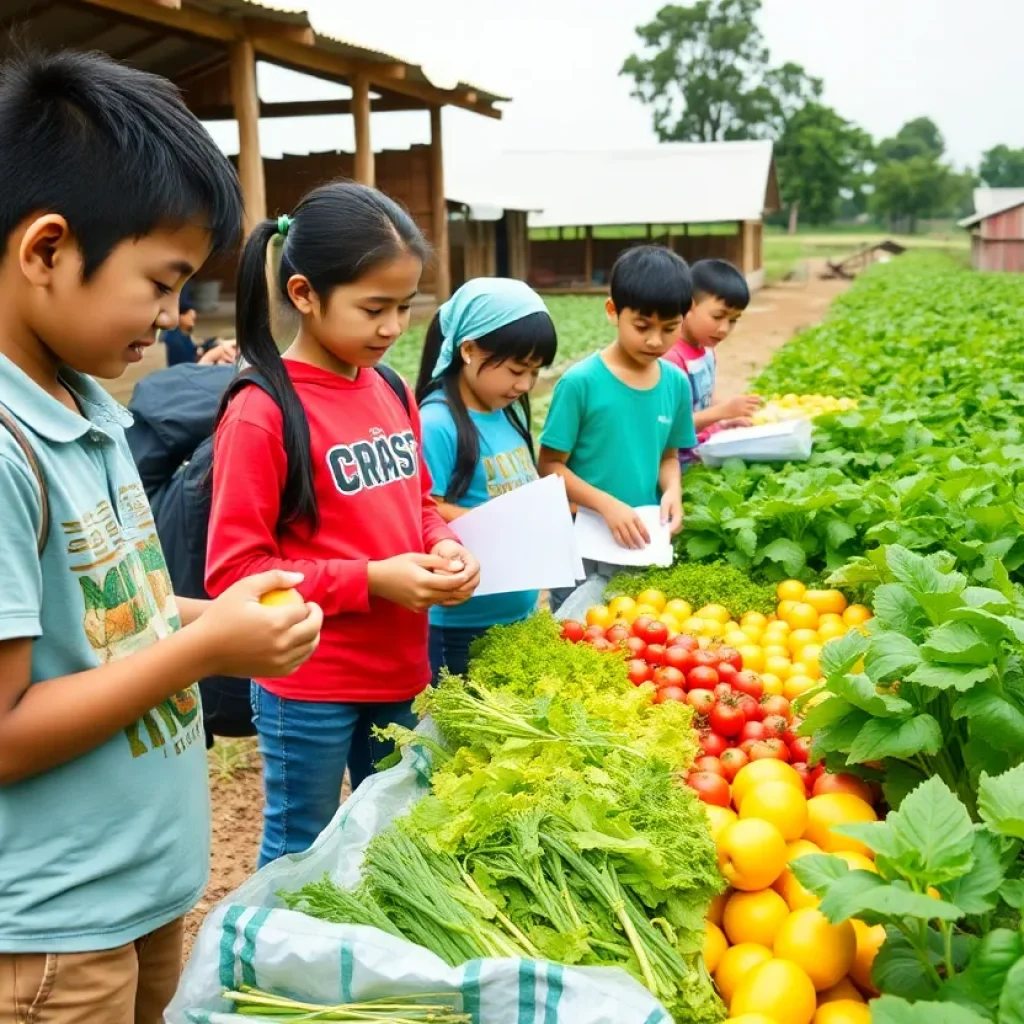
(364, 145)
(264, 27)
(439, 210)
(172, 5)
(305, 108)
(247, 112)
(189, 21)
(588, 255)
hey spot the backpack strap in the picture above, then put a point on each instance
(8, 423)
(395, 382)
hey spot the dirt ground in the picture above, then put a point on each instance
(775, 315)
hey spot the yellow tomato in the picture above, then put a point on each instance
(811, 656)
(275, 598)
(784, 609)
(869, 942)
(775, 650)
(754, 619)
(844, 990)
(736, 638)
(715, 612)
(647, 610)
(830, 618)
(671, 624)
(777, 666)
(831, 631)
(653, 598)
(600, 615)
(719, 818)
(779, 989)
(755, 633)
(790, 590)
(856, 615)
(788, 886)
(717, 907)
(758, 772)
(713, 628)
(715, 944)
(772, 684)
(801, 848)
(843, 1011)
(753, 657)
(857, 861)
(801, 638)
(751, 1018)
(736, 963)
(630, 615)
(826, 601)
(692, 625)
(620, 604)
(751, 854)
(797, 685)
(754, 917)
(780, 804)
(679, 609)
(802, 616)
(830, 809)
(779, 626)
(822, 950)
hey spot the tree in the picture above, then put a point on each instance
(920, 137)
(907, 190)
(819, 155)
(705, 73)
(1002, 167)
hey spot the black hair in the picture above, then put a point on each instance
(719, 279)
(652, 280)
(530, 338)
(113, 150)
(337, 234)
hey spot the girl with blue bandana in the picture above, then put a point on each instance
(481, 357)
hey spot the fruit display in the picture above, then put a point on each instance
(801, 407)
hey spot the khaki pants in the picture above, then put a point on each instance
(129, 985)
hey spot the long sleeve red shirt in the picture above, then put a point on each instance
(373, 494)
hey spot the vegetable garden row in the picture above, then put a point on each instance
(780, 782)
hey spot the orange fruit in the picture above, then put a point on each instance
(857, 861)
(780, 804)
(717, 907)
(801, 638)
(810, 655)
(754, 619)
(844, 990)
(276, 598)
(790, 590)
(754, 917)
(823, 812)
(788, 886)
(779, 989)
(823, 951)
(719, 818)
(715, 944)
(802, 616)
(869, 941)
(830, 619)
(678, 609)
(648, 610)
(714, 612)
(797, 685)
(766, 770)
(600, 615)
(751, 854)
(736, 963)
(772, 684)
(844, 1011)
(830, 602)
(784, 609)
(753, 657)
(801, 848)
(856, 615)
(620, 604)
(831, 631)
(655, 598)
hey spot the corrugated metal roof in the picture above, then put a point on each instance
(674, 183)
(991, 201)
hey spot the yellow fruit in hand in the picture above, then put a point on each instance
(845, 990)
(823, 951)
(754, 917)
(736, 963)
(751, 854)
(780, 804)
(655, 598)
(275, 598)
(830, 809)
(790, 590)
(845, 1011)
(778, 989)
(869, 942)
(715, 945)
(765, 770)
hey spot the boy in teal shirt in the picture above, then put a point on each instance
(619, 417)
(111, 196)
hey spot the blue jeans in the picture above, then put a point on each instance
(306, 746)
(449, 648)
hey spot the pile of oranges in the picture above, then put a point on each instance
(775, 958)
(784, 648)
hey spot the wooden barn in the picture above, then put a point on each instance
(210, 48)
(997, 230)
(701, 199)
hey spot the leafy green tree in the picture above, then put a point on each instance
(705, 72)
(920, 137)
(1002, 167)
(907, 190)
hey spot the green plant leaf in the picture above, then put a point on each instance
(897, 611)
(896, 737)
(818, 872)
(950, 677)
(702, 545)
(1011, 1004)
(861, 692)
(898, 970)
(786, 553)
(891, 656)
(868, 897)
(1001, 802)
(900, 780)
(1012, 891)
(893, 1010)
(958, 643)
(982, 982)
(994, 720)
(918, 573)
(976, 891)
(840, 655)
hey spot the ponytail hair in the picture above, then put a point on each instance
(338, 233)
(527, 339)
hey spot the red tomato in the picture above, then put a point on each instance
(705, 658)
(679, 657)
(593, 633)
(637, 648)
(703, 677)
(687, 641)
(800, 750)
(602, 645)
(746, 746)
(771, 748)
(805, 772)
(668, 676)
(722, 690)
(712, 789)
(817, 771)
(617, 634)
(749, 706)
(702, 701)
(712, 744)
(753, 731)
(726, 719)
(640, 624)
(774, 726)
(730, 656)
(775, 704)
(572, 631)
(639, 671)
(709, 764)
(726, 672)
(827, 783)
(749, 683)
(670, 693)
(732, 759)
(792, 734)
(655, 654)
(656, 632)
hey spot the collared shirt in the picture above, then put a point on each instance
(103, 849)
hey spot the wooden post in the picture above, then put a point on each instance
(361, 113)
(439, 209)
(588, 255)
(246, 102)
(650, 232)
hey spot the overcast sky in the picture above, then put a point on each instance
(559, 60)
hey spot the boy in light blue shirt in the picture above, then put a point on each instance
(619, 417)
(111, 196)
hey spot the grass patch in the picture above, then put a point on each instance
(228, 757)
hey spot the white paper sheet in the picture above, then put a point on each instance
(524, 540)
(595, 540)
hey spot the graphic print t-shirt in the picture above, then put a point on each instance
(505, 463)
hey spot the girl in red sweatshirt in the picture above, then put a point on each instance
(317, 470)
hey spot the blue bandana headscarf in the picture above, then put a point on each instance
(479, 307)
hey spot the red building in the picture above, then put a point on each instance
(997, 230)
